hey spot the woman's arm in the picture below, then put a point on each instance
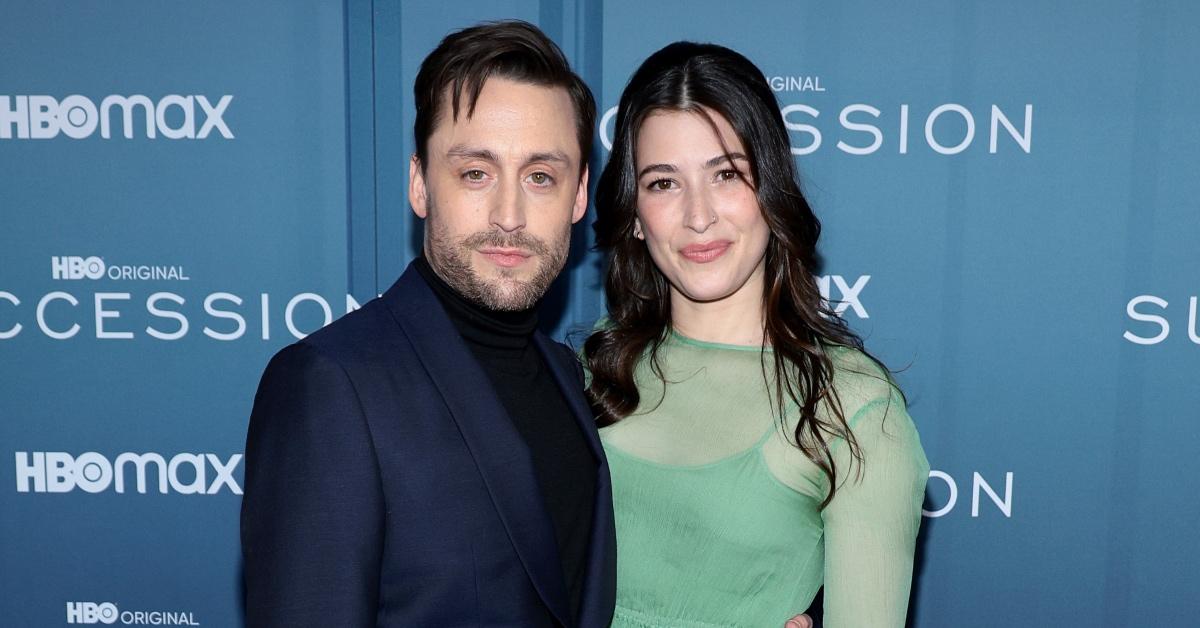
(871, 524)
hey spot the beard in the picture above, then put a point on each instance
(505, 291)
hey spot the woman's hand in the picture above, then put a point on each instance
(799, 621)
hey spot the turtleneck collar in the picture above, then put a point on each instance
(480, 325)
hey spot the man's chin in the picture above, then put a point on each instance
(504, 289)
(510, 297)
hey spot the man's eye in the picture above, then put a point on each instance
(474, 175)
(540, 178)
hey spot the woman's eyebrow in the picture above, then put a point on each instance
(719, 159)
(657, 168)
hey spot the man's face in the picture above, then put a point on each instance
(500, 192)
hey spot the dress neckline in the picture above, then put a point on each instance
(704, 344)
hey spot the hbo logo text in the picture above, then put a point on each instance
(73, 267)
(91, 613)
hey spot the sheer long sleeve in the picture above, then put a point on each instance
(871, 524)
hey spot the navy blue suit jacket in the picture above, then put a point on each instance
(385, 484)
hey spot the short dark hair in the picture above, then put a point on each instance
(511, 49)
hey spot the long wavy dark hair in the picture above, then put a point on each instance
(799, 324)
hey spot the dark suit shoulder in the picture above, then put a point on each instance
(363, 336)
(299, 378)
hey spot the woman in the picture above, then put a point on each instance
(757, 451)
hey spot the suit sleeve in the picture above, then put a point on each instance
(312, 509)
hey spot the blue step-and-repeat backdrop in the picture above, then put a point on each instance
(1010, 199)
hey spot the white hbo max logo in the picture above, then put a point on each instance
(92, 613)
(185, 473)
(78, 117)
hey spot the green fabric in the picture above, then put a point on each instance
(717, 512)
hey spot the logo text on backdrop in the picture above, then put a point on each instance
(77, 117)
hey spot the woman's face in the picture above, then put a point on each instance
(699, 218)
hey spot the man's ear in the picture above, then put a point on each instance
(418, 195)
(581, 197)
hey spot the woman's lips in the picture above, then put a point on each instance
(705, 252)
(507, 258)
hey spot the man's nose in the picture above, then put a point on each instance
(508, 210)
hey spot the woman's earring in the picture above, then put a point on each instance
(637, 232)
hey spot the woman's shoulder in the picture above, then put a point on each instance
(875, 410)
(859, 380)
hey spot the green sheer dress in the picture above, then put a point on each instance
(717, 512)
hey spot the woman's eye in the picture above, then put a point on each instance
(728, 175)
(661, 185)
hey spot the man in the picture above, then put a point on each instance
(430, 460)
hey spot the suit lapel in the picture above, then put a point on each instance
(500, 453)
(599, 586)
(566, 376)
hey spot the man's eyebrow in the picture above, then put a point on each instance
(551, 156)
(657, 168)
(720, 159)
(462, 151)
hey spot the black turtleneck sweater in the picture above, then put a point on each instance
(565, 467)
